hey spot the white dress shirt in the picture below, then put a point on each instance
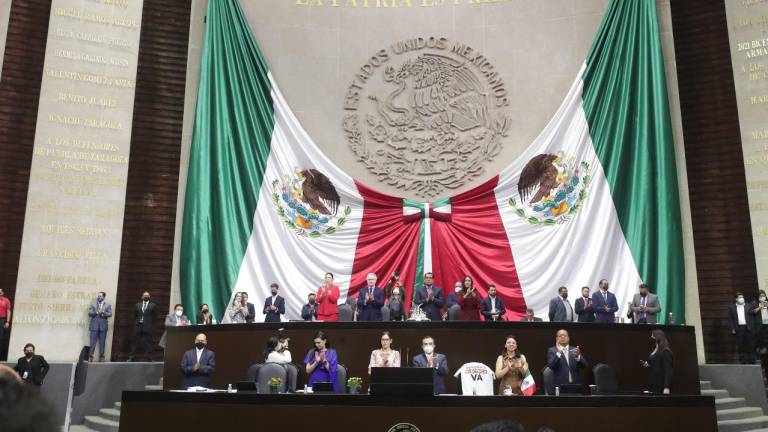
(740, 314)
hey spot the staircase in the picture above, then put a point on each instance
(108, 419)
(732, 413)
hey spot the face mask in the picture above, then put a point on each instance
(312, 301)
(99, 299)
(762, 298)
(740, 300)
(274, 292)
(200, 345)
(429, 349)
(396, 292)
(564, 296)
(205, 310)
(145, 298)
(179, 313)
(457, 289)
(29, 354)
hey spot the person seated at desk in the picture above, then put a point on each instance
(660, 363)
(492, 308)
(321, 362)
(430, 359)
(564, 361)
(530, 317)
(430, 298)
(309, 310)
(370, 300)
(511, 367)
(385, 356)
(469, 300)
(451, 299)
(276, 350)
(198, 364)
(176, 319)
(327, 300)
(205, 317)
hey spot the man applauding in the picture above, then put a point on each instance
(370, 300)
(198, 364)
(430, 298)
(431, 359)
(565, 361)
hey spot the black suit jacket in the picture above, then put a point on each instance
(36, 369)
(251, 312)
(146, 318)
(662, 371)
(586, 314)
(274, 316)
(733, 317)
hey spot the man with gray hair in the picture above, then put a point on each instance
(370, 300)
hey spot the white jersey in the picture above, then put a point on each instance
(476, 379)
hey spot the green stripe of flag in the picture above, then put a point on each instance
(625, 100)
(230, 146)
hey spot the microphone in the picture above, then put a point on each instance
(407, 356)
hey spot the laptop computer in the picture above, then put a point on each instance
(322, 387)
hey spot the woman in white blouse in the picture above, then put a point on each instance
(386, 356)
(277, 350)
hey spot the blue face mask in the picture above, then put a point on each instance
(99, 299)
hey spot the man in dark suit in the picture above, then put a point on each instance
(145, 313)
(430, 298)
(274, 306)
(430, 359)
(451, 300)
(584, 308)
(32, 368)
(530, 317)
(370, 300)
(560, 309)
(99, 311)
(565, 361)
(742, 325)
(604, 303)
(309, 310)
(198, 364)
(249, 307)
(492, 308)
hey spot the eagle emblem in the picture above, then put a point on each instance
(551, 189)
(308, 203)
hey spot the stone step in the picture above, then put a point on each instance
(705, 385)
(80, 428)
(153, 387)
(730, 403)
(101, 424)
(113, 414)
(718, 394)
(739, 413)
(742, 425)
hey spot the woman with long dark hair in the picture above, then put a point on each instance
(276, 350)
(327, 300)
(321, 362)
(385, 356)
(511, 367)
(660, 363)
(469, 300)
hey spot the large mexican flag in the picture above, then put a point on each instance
(594, 196)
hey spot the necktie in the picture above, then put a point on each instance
(566, 354)
(143, 307)
(642, 304)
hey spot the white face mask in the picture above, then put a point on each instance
(458, 289)
(429, 349)
(762, 298)
(740, 300)
(179, 313)
(396, 292)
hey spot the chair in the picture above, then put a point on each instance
(454, 313)
(548, 379)
(341, 370)
(292, 372)
(269, 370)
(345, 313)
(605, 379)
(385, 313)
(253, 372)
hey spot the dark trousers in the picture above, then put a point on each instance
(746, 342)
(3, 350)
(143, 338)
(99, 336)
